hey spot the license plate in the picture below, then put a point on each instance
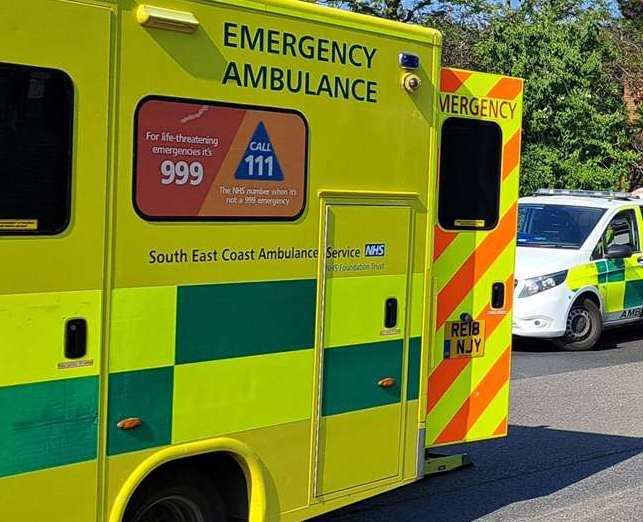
(463, 339)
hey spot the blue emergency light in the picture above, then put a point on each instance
(409, 61)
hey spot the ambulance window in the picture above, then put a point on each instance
(470, 155)
(36, 113)
(622, 230)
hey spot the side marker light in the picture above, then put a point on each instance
(129, 424)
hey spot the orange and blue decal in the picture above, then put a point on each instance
(207, 161)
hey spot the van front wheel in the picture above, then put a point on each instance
(584, 327)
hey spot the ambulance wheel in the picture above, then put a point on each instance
(191, 497)
(584, 327)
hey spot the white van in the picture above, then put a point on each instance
(579, 265)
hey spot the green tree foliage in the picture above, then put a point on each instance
(390, 9)
(460, 21)
(628, 35)
(632, 10)
(576, 133)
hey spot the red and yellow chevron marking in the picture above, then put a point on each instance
(475, 266)
(452, 79)
(468, 399)
(446, 372)
(478, 401)
(501, 429)
(506, 89)
(511, 154)
(442, 239)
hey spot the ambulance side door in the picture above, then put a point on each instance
(621, 279)
(54, 95)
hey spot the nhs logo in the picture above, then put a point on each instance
(374, 249)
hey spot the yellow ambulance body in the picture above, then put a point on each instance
(231, 281)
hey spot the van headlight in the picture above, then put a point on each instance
(535, 285)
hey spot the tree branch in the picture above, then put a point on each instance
(413, 11)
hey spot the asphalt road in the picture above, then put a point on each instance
(574, 451)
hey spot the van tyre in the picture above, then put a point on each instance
(584, 327)
(188, 497)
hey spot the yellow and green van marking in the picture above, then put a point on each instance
(619, 282)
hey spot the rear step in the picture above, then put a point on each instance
(435, 463)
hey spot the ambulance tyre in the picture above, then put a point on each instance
(584, 327)
(187, 497)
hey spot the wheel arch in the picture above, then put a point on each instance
(590, 292)
(244, 455)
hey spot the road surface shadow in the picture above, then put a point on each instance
(610, 340)
(532, 462)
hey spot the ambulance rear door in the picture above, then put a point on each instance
(473, 257)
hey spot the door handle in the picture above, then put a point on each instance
(75, 338)
(640, 260)
(386, 382)
(390, 312)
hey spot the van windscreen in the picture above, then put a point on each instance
(555, 226)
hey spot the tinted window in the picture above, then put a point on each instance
(555, 226)
(36, 110)
(470, 156)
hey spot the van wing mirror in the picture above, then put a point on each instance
(618, 252)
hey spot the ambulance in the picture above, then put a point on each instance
(235, 284)
(579, 265)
